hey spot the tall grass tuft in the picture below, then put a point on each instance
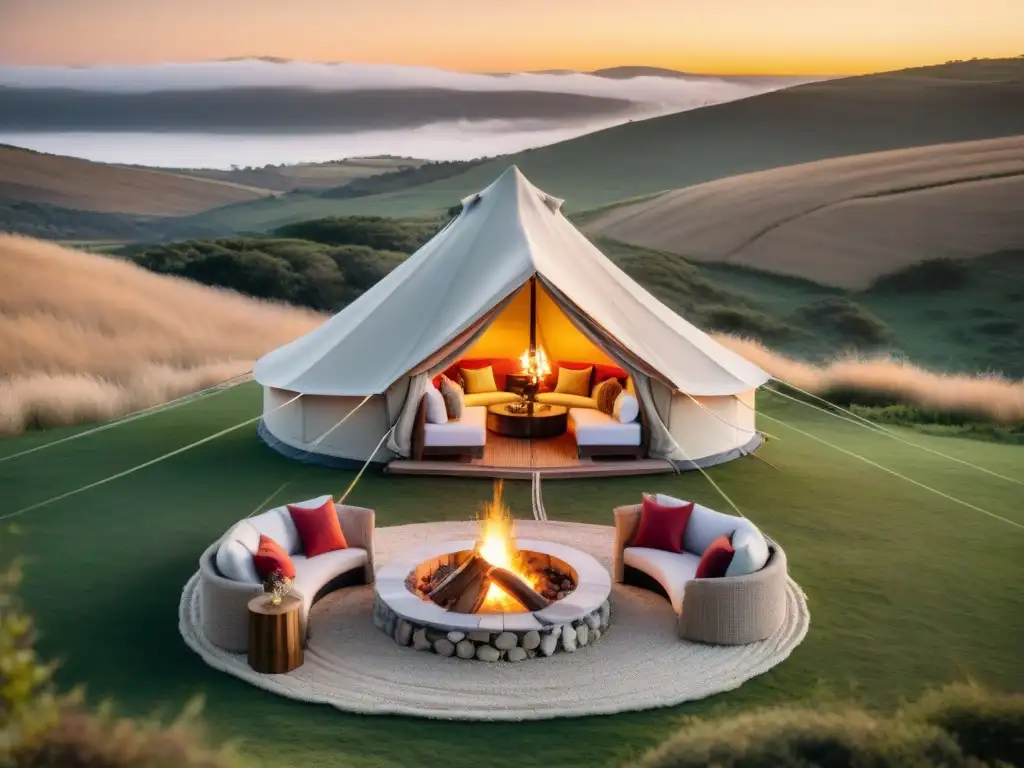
(85, 337)
(885, 381)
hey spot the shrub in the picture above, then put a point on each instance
(850, 321)
(958, 727)
(746, 322)
(987, 727)
(925, 277)
(378, 232)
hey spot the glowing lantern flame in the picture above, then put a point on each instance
(535, 364)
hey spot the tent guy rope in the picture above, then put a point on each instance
(341, 499)
(894, 473)
(870, 425)
(149, 463)
(191, 397)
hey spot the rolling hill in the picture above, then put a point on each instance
(68, 182)
(86, 337)
(842, 222)
(896, 110)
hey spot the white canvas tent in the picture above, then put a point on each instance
(461, 296)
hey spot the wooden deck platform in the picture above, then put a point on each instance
(511, 459)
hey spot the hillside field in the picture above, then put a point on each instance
(843, 222)
(895, 110)
(82, 185)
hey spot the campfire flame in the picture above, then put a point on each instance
(497, 546)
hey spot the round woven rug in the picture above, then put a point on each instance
(640, 663)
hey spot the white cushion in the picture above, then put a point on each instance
(470, 430)
(627, 408)
(437, 413)
(670, 570)
(706, 525)
(234, 561)
(751, 553)
(312, 573)
(596, 428)
(278, 525)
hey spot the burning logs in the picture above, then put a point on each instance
(518, 588)
(464, 589)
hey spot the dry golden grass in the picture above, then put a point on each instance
(85, 337)
(990, 397)
(846, 221)
(87, 186)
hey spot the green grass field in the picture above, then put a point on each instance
(906, 590)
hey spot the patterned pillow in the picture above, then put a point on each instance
(605, 394)
(454, 398)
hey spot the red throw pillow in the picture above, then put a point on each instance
(662, 527)
(318, 528)
(716, 558)
(270, 557)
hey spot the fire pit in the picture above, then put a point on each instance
(498, 597)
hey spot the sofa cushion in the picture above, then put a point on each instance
(670, 570)
(592, 427)
(479, 380)
(490, 398)
(569, 401)
(500, 366)
(661, 527)
(454, 398)
(319, 528)
(437, 413)
(574, 381)
(605, 394)
(278, 525)
(706, 525)
(469, 431)
(311, 574)
(751, 549)
(716, 558)
(602, 371)
(270, 557)
(234, 560)
(626, 408)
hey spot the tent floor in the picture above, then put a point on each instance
(509, 458)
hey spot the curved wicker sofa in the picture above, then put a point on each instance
(732, 610)
(224, 602)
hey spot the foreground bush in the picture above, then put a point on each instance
(958, 727)
(40, 728)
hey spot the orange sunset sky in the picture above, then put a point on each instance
(719, 36)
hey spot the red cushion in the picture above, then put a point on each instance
(271, 557)
(716, 558)
(662, 527)
(319, 529)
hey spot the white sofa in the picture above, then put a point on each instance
(465, 436)
(731, 610)
(228, 578)
(598, 434)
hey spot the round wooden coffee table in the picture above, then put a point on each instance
(537, 422)
(275, 640)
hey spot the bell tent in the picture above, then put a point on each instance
(510, 271)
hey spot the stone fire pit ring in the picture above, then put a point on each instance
(577, 620)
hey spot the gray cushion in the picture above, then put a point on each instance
(454, 398)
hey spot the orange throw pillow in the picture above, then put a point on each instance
(319, 528)
(662, 527)
(716, 558)
(271, 557)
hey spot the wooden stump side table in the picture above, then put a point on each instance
(275, 642)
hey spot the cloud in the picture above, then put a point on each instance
(682, 92)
